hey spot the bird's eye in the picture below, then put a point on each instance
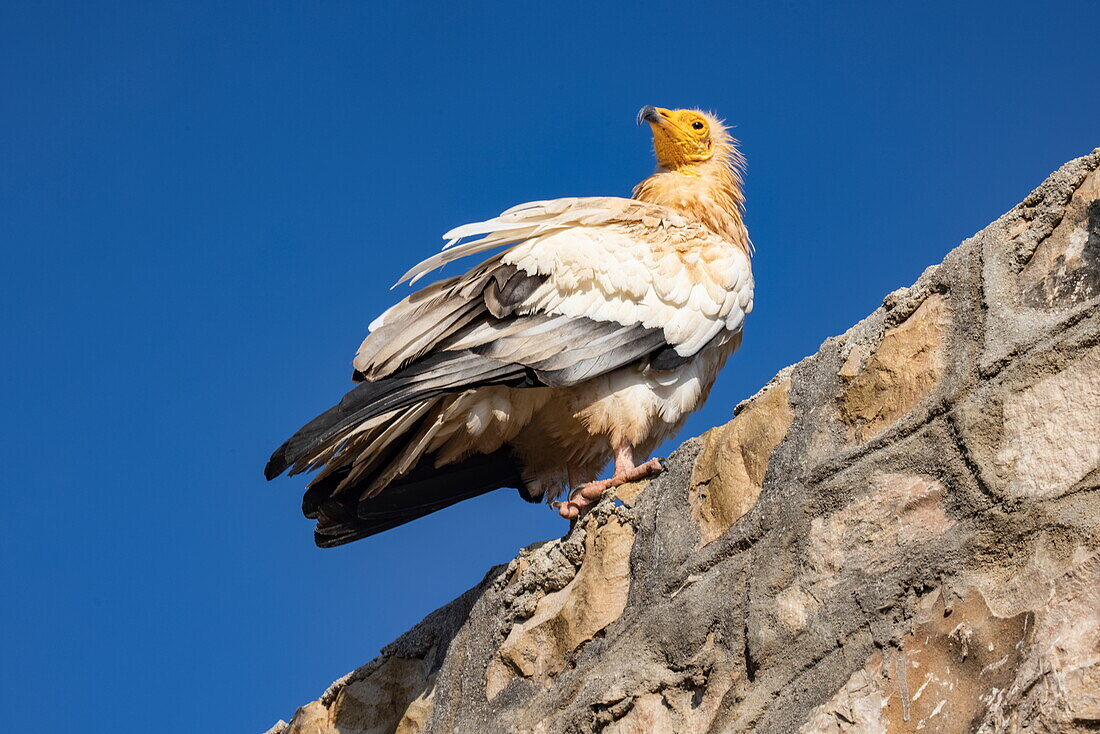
(697, 125)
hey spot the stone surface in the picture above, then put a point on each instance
(941, 677)
(1050, 430)
(393, 697)
(905, 367)
(540, 647)
(1065, 268)
(729, 474)
(901, 533)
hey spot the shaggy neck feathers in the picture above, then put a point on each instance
(708, 192)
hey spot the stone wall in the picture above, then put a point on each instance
(900, 533)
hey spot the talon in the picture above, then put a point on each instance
(569, 511)
(582, 498)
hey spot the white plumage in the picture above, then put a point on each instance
(612, 259)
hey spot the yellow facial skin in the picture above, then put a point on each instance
(681, 138)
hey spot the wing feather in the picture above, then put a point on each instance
(617, 260)
(588, 286)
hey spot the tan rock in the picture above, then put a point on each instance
(394, 698)
(650, 714)
(853, 364)
(418, 711)
(681, 707)
(1025, 582)
(1057, 686)
(377, 703)
(857, 707)
(1017, 229)
(313, 718)
(540, 647)
(905, 367)
(630, 491)
(1052, 431)
(964, 668)
(793, 607)
(939, 681)
(729, 474)
(951, 665)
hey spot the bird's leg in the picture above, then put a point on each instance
(625, 471)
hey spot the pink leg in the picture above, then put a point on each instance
(625, 471)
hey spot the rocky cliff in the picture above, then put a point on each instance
(900, 533)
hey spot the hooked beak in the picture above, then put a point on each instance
(650, 114)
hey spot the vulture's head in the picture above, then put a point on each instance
(683, 139)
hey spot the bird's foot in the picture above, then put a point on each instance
(583, 497)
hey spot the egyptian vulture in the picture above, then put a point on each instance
(591, 336)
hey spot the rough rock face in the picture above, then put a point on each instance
(900, 533)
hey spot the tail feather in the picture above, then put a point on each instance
(424, 490)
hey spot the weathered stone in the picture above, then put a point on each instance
(394, 697)
(901, 533)
(690, 708)
(903, 370)
(313, 718)
(1057, 685)
(1052, 431)
(899, 509)
(1065, 268)
(940, 677)
(540, 647)
(857, 707)
(729, 473)
(1039, 263)
(628, 493)
(946, 671)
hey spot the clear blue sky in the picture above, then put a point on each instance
(202, 205)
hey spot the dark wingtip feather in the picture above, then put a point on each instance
(310, 435)
(277, 464)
